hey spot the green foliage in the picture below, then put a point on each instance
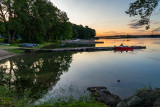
(15, 50)
(10, 99)
(5, 92)
(149, 87)
(1, 40)
(2, 27)
(83, 32)
(144, 9)
(5, 40)
(36, 21)
(38, 39)
(74, 104)
(6, 102)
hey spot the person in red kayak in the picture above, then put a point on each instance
(121, 45)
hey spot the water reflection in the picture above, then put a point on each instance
(34, 73)
(129, 42)
(44, 73)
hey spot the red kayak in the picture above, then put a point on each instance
(123, 48)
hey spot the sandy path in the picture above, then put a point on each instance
(5, 54)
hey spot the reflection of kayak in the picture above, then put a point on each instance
(123, 48)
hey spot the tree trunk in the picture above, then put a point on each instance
(9, 37)
(46, 37)
(13, 36)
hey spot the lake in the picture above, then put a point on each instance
(48, 75)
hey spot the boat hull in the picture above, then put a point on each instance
(123, 48)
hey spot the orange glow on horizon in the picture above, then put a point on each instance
(125, 33)
(127, 42)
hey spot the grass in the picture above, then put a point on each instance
(149, 87)
(8, 98)
(14, 46)
(143, 89)
(74, 104)
(11, 48)
(45, 45)
(48, 44)
(15, 51)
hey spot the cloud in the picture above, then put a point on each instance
(157, 30)
(155, 22)
(114, 33)
(133, 24)
(134, 20)
(141, 30)
(110, 32)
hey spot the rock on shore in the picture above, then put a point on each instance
(142, 98)
(101, 94)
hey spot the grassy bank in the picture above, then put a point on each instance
(8, 98)
(13, 48)
(74, 104)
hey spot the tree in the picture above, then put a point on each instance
(36, 21)
(2, 28)
(12, 13)
(144, 9)
(83, 32)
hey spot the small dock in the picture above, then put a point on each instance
(79, 49)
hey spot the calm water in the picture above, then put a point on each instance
(51, 73)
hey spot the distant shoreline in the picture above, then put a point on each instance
(127, 36)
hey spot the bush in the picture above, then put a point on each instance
(5, 40)
(17, 41)
(1, 40)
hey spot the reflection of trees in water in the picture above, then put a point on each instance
(34, 73)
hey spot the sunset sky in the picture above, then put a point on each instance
(107, 17)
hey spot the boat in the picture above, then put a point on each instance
(4, 44)
(123, 48)
(28, 45)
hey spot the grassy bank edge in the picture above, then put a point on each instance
(9, 99)
(13, 48)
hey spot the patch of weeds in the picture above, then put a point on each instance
(10, 99)
(73, 103)
(149, 87)
(6, 101)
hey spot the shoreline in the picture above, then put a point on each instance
(5, 54)
(81, 41)
(144, 97)
(127, 36)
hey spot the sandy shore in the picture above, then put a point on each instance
(5, 54)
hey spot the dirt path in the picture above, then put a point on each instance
(5, 54)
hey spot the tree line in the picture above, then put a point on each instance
(37, 21)
(79, 31)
